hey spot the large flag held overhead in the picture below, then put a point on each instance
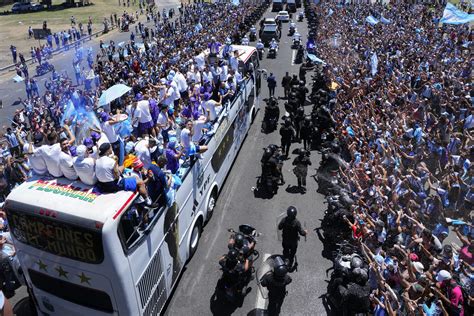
(453, 15)
(371, 20)
(385, 20)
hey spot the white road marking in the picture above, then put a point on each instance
(293, 55)
(261, 302)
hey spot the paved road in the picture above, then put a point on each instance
(11, 91)
(237, 204)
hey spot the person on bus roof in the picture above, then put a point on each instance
(108, 174)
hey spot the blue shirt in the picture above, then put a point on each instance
(158, 184)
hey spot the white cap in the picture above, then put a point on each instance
(419, 267)
(81, 151)
(443, 275)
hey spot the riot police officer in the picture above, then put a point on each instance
(291, 231)
(276, 281)
(306, 132)
(301, 164)
(287, 134)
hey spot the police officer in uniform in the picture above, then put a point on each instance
(276, 281)
(287, 133)
(291, 229)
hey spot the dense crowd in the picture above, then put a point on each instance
(177, 92)
(405, 118)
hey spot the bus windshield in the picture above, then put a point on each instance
(56, 237)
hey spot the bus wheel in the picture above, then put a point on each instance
(195, 235)
(211, 203)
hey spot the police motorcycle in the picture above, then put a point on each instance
(348, 289)
(291, 28)
(296, 43)
(271, 116)
(245, 41)
(237, 265)
(253, 34)
(260, 49)
(272, 163)
(272, 51)
(300, 16)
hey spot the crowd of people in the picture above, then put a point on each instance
(177, 93)
(404, 117)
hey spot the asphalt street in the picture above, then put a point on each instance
(238, 204)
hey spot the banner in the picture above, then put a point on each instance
(453, 15)
(371, 20)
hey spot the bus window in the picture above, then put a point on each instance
(135, 223)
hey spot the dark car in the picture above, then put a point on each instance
(268, 33)
(26, 7)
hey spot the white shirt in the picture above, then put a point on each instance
(143, 111)
(234, 63)
(207, 76)
(163, 120)
(175, 95)
(110, 132)
(85, 169)
(224, 73)
(143, 152)
(186, 138)
(198, 125)
(37, 162)
(104, 169)
(65, 164)
(170, 91)
(180, 82)
(210, 106)
(50, 154)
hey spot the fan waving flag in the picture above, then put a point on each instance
(371, 20)
(453, 15)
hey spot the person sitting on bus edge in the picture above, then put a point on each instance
(84, 165)
(32, 149)
(211, 107)
(173, 156)
(66, 160)
(146, 150)
(225, 93)
(51, 152)
(190, 148)
(108, 174)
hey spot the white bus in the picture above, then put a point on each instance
(84, 254)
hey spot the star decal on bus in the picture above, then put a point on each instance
(84, 278)
(62, 272)
(41, 265)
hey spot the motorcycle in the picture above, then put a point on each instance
(251, 235)
(272, 52)
(260, 51)
(296, 43)
(300, 17)
(269, 180)
(44, 68)
(291, 30)
(253, 36)
(270, 118)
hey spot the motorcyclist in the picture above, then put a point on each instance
(253, 30)
(291, 231)
(287, 134)
(276, 281)
(245, 40)
(272, 112)
(292, 27)
(296, 36)
(233, 268)
(355, 295)
(301, 164)
(243, 245)
(270, 167)
(300, 16)
(274, 44)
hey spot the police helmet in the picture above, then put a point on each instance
(287, 122)
(267, 153)
(279, 267)
(301, 83)
(356, 262)
(291, 212)
(307, 119)
(302, 152)
(360, 276)
(239, 240)
(232, 255)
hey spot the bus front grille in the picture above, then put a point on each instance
(152, 287)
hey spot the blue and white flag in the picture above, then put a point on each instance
(384, 20)
(330, 12)
(236, 2)
(315, 59)
(371, 20)
(354, 22)
(374, 62)
(453, 15)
